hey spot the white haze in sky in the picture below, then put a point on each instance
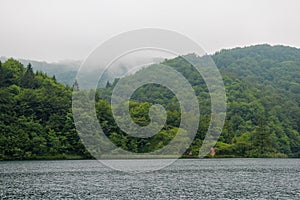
(53, 30)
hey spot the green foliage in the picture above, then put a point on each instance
(27, 80)
(35, 116)
(262, 110)
(263, 115)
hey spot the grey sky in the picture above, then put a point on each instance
(55, 30)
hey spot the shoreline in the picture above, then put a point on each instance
(144, 158)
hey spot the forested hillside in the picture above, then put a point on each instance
(263, 115)
(35, 116)
(263, 101)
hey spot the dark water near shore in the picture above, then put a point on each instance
(184, 179)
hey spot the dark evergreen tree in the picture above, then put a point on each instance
(27, 81)
(75, 86)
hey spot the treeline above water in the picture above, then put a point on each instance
(263, 116)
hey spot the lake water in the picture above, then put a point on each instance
(184, 179)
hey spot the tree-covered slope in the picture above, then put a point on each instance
(35, 115)
(263, 115)
(263, 102)
(262, 87)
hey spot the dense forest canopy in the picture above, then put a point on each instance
(36, 119)
(263, 115)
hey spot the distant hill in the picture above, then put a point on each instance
(64, 71)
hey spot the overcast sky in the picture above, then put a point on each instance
(53, 30)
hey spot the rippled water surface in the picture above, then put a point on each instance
(184, 179)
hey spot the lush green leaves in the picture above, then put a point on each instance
(263, 115)
(35, 116)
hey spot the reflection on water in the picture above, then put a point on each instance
(185, 179)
